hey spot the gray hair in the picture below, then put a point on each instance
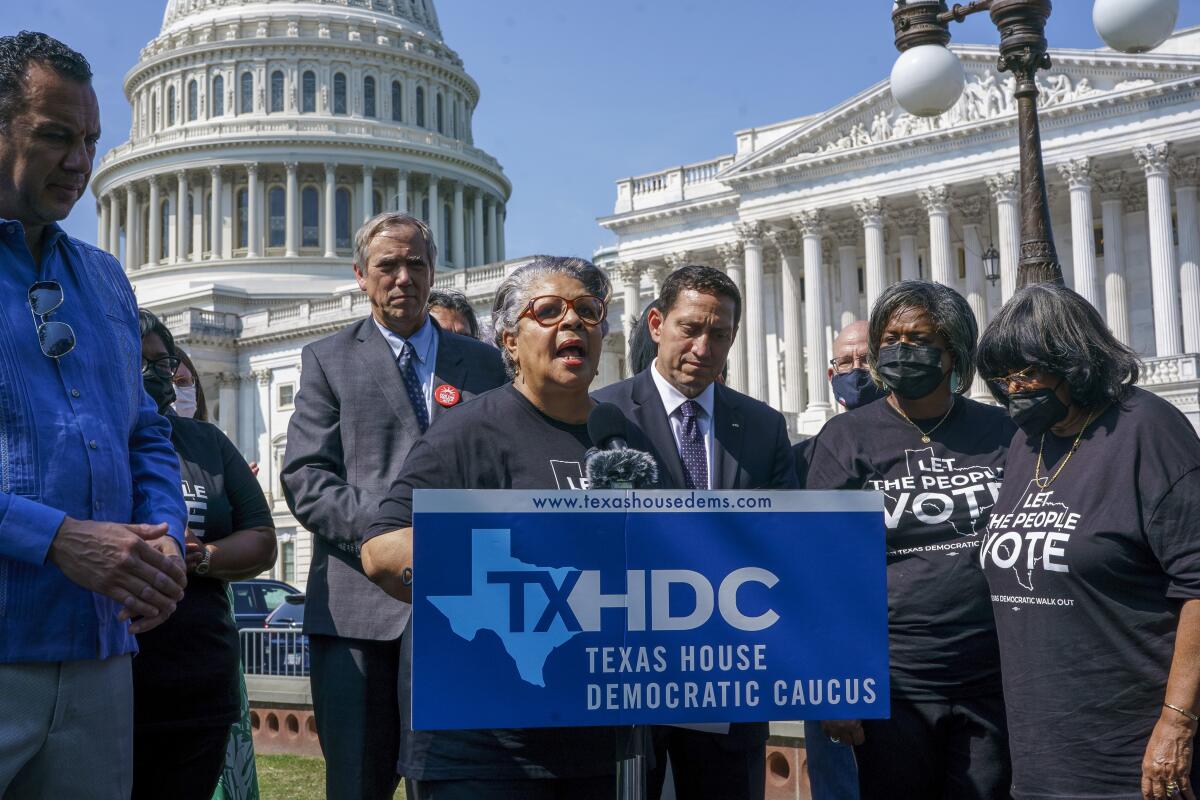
(951, 316)
(386, 221)
(515, 292)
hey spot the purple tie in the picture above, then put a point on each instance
(412, 384)
(691, 448)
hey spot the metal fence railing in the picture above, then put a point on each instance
(274, 651)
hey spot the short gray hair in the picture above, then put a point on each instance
(951, 316)
(515, 291)
(386, 221)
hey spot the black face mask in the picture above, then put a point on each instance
(855, 389)
(911, 372)
(160, 389)
(1037, 411)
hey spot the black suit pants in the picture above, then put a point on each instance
(707, 765)
(357, 715)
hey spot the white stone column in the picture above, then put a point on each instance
(846, 233)
(870, 213)
(629, 275)
(402, 191)
(331, 210)
(291, 212)
(1005, 189)
(730, 254)
(227, 392)
(263, 425)
(1116, 293)
(182, 226)
(1168, 338)
(114, 224)
(252, 201)
(811, 225)
(490, 238)
(501, 218)
(368, 192)
(974, 209)
(155, 216)
(102, 223)
(1078, 175)
(755, 329)
(216, 213)
(197, 215)
(787, 242)
(435, 215)
(131, 215)
(909, 222)
(1187, 177)
(458, 234)
(936, 200)
(477, 256)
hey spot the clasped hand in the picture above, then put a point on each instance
(139, 566)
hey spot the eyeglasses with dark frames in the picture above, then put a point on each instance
(55, 338)
(1023, 380)
(549, 309)
(164, 367)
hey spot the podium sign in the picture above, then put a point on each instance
(548, 609)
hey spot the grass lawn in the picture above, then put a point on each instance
(294, 778)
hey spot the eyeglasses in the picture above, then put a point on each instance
(841, 366)
(164, 367)
(549, 310)
(183, 380)
(1023, 380)
(56, 338)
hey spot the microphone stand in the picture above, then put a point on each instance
(632, 761)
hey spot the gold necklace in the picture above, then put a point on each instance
(1037, 468)
(925, 435)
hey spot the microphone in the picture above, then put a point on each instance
(612, 464)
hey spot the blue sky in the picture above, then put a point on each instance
(579, 93)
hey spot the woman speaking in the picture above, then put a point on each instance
(549, 320)
(1093, 558)
(937, 457)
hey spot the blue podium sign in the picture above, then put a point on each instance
(547, 609)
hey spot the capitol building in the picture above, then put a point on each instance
(265, 131)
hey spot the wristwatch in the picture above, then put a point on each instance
(202, 567)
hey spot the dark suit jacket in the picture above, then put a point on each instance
(750, 442)
(750, 451)
(348, 437)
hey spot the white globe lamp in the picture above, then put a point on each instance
(1135, 26)
(927, 80)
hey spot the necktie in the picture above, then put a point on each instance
(691, 448)
(416, 392)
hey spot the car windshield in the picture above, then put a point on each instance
(288, 613)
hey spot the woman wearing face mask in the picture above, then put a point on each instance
(185, 677)
(1093, 558)
(938, 458)
(189, 394)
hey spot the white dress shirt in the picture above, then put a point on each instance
(425, 346)
(673, 399)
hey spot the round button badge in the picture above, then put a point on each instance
(446, 395)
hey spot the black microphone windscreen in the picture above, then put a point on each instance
(621, 469)
(605, 423)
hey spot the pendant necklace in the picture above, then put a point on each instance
(925, 435)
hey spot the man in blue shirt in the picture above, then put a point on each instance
(91, 513)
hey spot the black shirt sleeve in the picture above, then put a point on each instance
(830, 464)
(424, 468)
(250, 509)
(1174, 535)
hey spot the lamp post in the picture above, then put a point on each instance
(927, 80)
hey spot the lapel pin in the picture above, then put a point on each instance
(446, 395)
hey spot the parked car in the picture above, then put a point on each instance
(284, 646)
(254, 599)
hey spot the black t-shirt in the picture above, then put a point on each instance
(941, 634)
(497, 441)
(1087, 577)
(186, 670)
